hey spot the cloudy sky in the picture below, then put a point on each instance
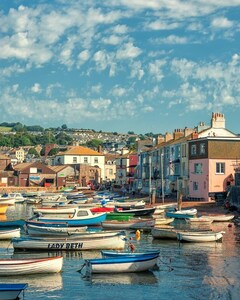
(120, 65)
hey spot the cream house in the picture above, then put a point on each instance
(81, 155)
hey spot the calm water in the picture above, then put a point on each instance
(185, 271)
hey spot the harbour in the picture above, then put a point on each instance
(192, 270)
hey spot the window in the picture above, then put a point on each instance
(195, 186)
(96, 160)
(85, 160)
(110, 171)
(202, 148)
(39, 170)
(198, 168)
(193, 149)
(220, 168)
(184, 151)
(74, 159)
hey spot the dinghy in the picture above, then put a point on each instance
(181, 214)
(7, 234)
(112, 253)
(121, 264)
(25, 266)
(199, 236)
(134, 223)
(10, 291)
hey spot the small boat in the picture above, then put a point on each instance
(199, 236)
(119, 217)
(116, 241)
(112, 253)
(7, 234)
(137, 211)
(81, 217)
(134, 223)
(121, 264)
(220, 217)
(200, 220)
(102, 209)
(7, 200)
(57, 209)
(10, 291)
(17, 196)
(164, 232)
(12, 223)
(40, 230)
(181, 214)
(3, 208)
(26, 266)
(163, 221)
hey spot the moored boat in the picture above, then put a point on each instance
(7, 234)
(119, 264)
(118, 216)
(76, 244)
(220, 217)
(34, 229)
(10, 291)
(146, 211)
(181, 214)
(134, 223)
(112, 253)
(164, 232)
(188, 236)
(24, 266)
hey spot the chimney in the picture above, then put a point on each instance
(168, 136)
(100, 149)
(194, 135)
(160, 139)
(188, 131)
(218, 120)
(178, 133)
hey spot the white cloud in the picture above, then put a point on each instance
(155, 69)
(118, 91)
(112, 40)
(128, 51)
(172, 39)
(120, 29)
(36, 88)
(137, 70)
(222, 22)
(159, 25)
(100, 103)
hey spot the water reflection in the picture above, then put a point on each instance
(142, 278)
(40, 282)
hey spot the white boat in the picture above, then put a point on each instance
(7, 234)
(17, 196)
(64, 209)
(76, 244)
(199, 236)
(7, 200)
(181, 214)
(121, 264)
(163, 221)
(200, 221)
(10, 291)
(164, 232)
(220, 217)
(134, 223)
(25, 266)
(40, 230)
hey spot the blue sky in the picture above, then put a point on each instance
(120, 65)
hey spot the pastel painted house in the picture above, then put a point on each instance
(212, 163)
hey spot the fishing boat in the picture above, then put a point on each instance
(81, 217)
(24, 266)
(134, 223)
(164, 232)
(116, 241)
(10, 291)
(121, 264)
(3, 208)
(220, 217)
(181, 214)
(112, 253)
(188, 236)
(7, 234)
(137, 212)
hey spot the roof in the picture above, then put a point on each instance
(80, 150)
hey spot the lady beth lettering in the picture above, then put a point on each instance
(65, 246)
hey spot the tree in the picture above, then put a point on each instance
(64, 127)
(53, 151)
(94, 143)
(34, 152)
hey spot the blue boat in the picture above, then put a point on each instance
(81, 217)
(112, 253)
(181, 214)
(13, 223)
(9, 291)
(121, 264)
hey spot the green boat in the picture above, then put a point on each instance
(119, 217)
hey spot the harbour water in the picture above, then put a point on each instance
(185, 270)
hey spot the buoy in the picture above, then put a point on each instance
(138, 235)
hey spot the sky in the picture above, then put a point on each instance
(120, 65)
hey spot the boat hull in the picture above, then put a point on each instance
(199, 237)
(9, 234)
(10, 267)
(9, 291)
(76, 244)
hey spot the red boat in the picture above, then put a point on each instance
(102, 209)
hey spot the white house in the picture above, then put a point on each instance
(81, 155)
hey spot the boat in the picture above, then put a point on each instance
(7, 234)
(76, 244)
(134, 223)
(112, 253)
(164, 232)
(181, 214)
(188, 236)
(130, 204)
(25, 266)
(102, 209)
(119, 217)
(137, 212)
(81, 217)
(3, 208)
(17, 196)
(163, 221)
(40, 230)
(220, 217)
(10, 291)
(121, 264)
(12, 223)
(7, 200)
(57, 209)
